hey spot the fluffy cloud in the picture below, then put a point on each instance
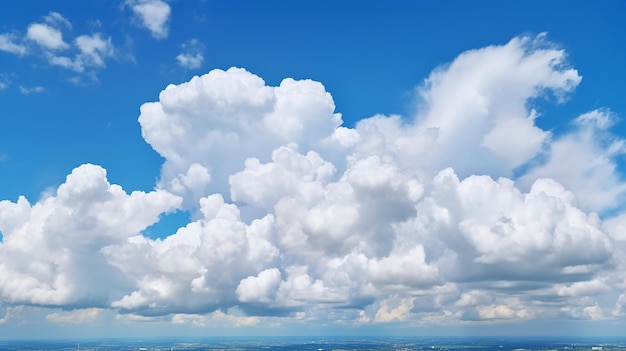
(46, 36)
(153, 15)
(199, 267)
(474, 113)
(92, 50)
(222, 118)
(51, 249)
(466, 212)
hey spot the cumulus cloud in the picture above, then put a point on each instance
(222, 118)
(199, 267)
(153, 15)
(46, 36)
(51, 249)
(465, 212)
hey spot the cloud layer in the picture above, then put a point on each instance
(465, 212)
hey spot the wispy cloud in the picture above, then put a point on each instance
(33, 90)
(81, 316)
(8, 44)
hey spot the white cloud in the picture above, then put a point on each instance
(191, 57)
(585, 162)
(56, 19)
(386, 313)
(33, 90)
(8, 44)
(259, 288)
(239, 321)
(51, 250)
(153, 14)
(222, 118)
(489, 128)
(501, 312)
(93, 49)
(10, 313)
(398, 219)
(82, 316)
(84, 54)
(357, 214)
(190, 61)
(199, 267)
(46, 36)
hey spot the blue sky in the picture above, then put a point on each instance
(430, 167)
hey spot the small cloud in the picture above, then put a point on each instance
(153, 14)
(190, 61)
(3, 85)
(238, 321)
(599, 118)
(131, 317)
(33, 90)
(46, 36)
(10, 313)
(56, 19)
(191, 57)
(8, 44)
(93, 49)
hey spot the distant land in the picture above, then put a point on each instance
(327, 344)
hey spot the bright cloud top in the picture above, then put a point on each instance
(465, 212)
